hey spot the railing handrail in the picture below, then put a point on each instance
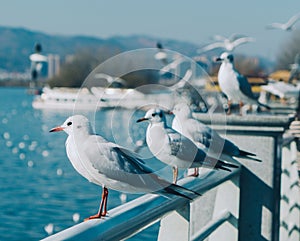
(128, 219)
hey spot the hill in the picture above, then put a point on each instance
(16, 44)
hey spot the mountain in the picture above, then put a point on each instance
(16, 44)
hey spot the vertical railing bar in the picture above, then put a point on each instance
(211, 226)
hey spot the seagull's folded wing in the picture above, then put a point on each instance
(122, 165)
(245, 87)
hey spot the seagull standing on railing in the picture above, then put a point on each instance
(295, 68)
(204, 136)
(227, 44)
(288, 26)
(173, 148)
(234, 85)
(110, 165)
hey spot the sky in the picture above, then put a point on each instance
(194, 21)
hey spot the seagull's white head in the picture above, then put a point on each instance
(154, 115)
(226, 57)
(75, 124)
(182, 110)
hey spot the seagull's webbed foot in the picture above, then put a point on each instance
(103, 206)
(96, 216)
(196, 172)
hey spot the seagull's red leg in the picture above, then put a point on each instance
(175, 174)
(105, 190)
(241, 106)
(196, 172)
(102, 204)
(229, 107)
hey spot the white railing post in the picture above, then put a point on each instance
(228, 198)
(290, 195)
(176, 225)
(259, 210)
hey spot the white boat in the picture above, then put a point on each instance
(65, 98)
(100, 97)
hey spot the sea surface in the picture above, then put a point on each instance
(41, 193)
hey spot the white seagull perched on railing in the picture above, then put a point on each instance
(175, 149)
(234, 85)
(204, 136)
(288, 26)
(112, 166)
(295, 68)
(227, 44)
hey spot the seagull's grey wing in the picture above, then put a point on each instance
(235, 36)
(274, 26)
(240, 41)
(293, 20)
(175, 140)
(219, 37)
(212, 46)
(182, 147)
(211, 139)
(108, 158)
(199, 132)
(119, 164)
(245, 87)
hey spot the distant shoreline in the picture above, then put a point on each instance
(14, 83)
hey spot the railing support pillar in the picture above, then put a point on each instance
(175, 226)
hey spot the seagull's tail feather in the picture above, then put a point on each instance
(248, 155)
(179, 191)
(264, 105)
(214, 163)
(224, 166)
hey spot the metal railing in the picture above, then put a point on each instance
(132, 217)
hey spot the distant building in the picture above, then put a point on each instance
(53, 65)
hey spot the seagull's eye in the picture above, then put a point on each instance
(69, 123)
(154, 114)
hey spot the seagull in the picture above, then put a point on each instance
(173, 148)
(288, 26)
(228, 44)
(234, 85)
(204, 136)
(112, 166)
(295, 68)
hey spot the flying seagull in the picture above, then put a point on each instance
(227, 44)
(288, 26)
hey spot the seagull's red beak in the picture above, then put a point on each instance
(55, 129)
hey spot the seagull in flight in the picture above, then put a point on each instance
(234, 85)
(288, 26)
(227, 44)
(112, 166)
(175, 149)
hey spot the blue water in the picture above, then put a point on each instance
(40, 190)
